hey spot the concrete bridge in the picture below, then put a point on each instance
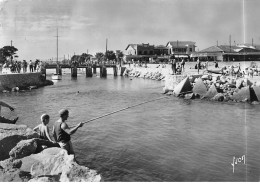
(90, 69)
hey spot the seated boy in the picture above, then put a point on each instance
(43, 129)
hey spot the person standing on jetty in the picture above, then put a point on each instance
(62, 132)
(198, 65)
(174, 66)
(3, 119)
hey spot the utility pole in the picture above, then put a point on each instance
(57, 46)
(217, 42)
(11, 43)
(252, 42)
(106, 50)
(229, 43)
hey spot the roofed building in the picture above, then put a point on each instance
(228, 53)
(140, 49)
(180, 49)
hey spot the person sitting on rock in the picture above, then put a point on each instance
(43, 129)
(3, 119)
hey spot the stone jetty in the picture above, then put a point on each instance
(208, 86)
(23, 159)
(214, 87)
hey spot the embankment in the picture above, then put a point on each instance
(23, 81)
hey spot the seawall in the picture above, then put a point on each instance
(22, 80)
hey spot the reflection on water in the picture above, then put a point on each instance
(167, 140)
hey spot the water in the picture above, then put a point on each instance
(167, 140)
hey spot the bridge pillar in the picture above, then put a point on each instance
(89, 71)
(115, 70)
(94, 69)
(74, 72)
(122, 71)
(58, 70)
(103, 72)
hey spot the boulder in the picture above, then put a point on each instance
(183, 87)
(11, 163)
(199, 87)
(242, 95)
(257, 92)
(211, 92)
(193, 77)
(205, 77)
(23, 148)
(218, 97)
(55, 162)
(189, 96)
(11, 135)
(239, 83)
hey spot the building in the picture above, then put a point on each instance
(140, 49)
(181, 49)
(161, 50)
(228, 53)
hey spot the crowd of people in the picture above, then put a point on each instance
(23, 66)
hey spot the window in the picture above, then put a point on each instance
(190, 49)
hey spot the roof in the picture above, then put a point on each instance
(131, 45)
(222, 48)
(160, 47)
(180, 43)
(227, 49)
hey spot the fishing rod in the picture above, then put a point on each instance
(124, 109)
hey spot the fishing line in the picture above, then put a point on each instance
(124, 109)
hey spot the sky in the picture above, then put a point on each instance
(84, 25)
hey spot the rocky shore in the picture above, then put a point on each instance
(208, 86)
(22, 159)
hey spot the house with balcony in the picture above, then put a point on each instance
(181, 49)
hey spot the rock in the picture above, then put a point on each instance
(218, 97)
(189, 96)
(205, 77)
(183, 87)
(242, 95)
(257, 92)
(10, 135)
(57, 163)
(23, 148)
(10, 163)
(199, 88)
(165, 90)
(44, 179)
(11, 176)
(239, 83)
(211, 92)
(193, 77)
(247, 82)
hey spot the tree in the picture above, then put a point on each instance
(8, 52)
(110, 55)
(84, 57)
(119, 56)
(99, 56)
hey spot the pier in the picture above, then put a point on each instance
(90, 69)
